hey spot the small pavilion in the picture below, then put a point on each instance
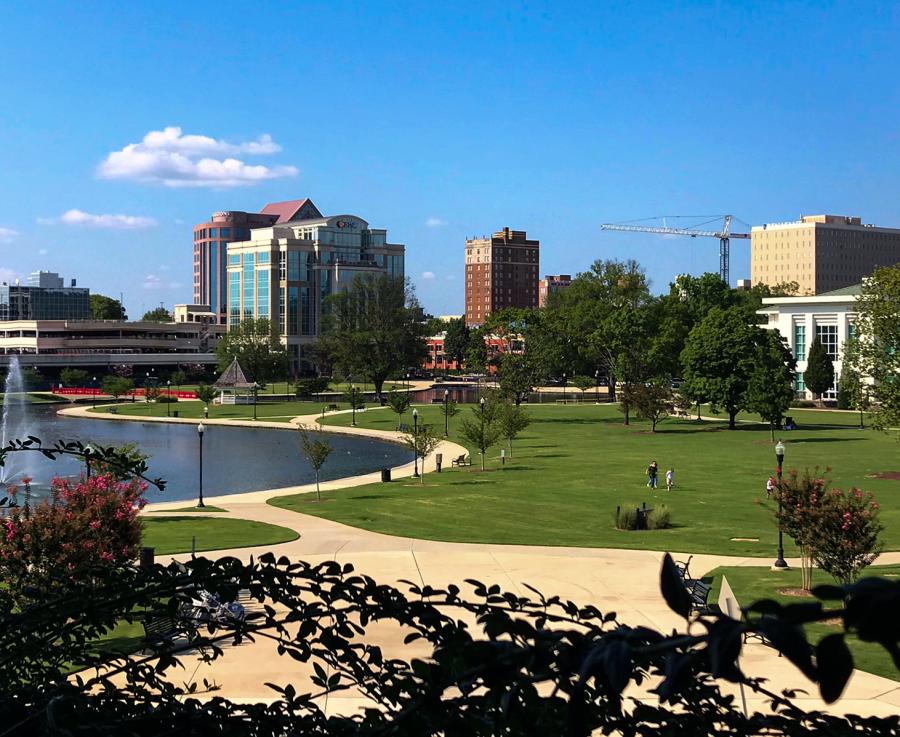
(233, 381)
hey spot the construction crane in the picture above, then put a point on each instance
(724, 235)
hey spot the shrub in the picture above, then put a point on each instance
(847, 528)
(85, 525)
(626, 517)
(166, 399)
(660, 518)
(803, 404)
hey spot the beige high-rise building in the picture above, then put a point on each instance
(820, 252)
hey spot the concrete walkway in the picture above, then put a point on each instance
(623, 581)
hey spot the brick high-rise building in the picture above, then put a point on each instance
(501, 271)
(211, 241)
(820, 252)
(552, 283)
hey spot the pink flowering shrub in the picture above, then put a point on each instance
(85, 525)
(834, 529)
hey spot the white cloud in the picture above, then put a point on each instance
(152, 282)
(170, 158)
(7, 235)
(435, 222)
(42, 252)
(428, 275)
(90, 220)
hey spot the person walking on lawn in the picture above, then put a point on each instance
(652, 473)
(670, 479)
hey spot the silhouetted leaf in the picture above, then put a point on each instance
(835, 665)
(673, 590)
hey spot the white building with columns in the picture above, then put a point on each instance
(830, 316)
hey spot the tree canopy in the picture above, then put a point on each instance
(373, 329)
(255, 344)
(157, 314)
(819, 374)
(106, 308)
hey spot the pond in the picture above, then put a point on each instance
(234, 459)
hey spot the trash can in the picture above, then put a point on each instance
(147, 557)
(174, 413)
(385, 474)
(438, 459)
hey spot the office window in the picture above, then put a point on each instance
(800, 342)
(225, 233)
(292, 310)
(262, 258)
(799, 384)
(828, 335)
(262, 293)
(249, 286)
(234, 298)
(234, 259)
(213, 233)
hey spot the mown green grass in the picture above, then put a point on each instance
(171, 535)
(194, 508)
(752, 584)
(576, 463)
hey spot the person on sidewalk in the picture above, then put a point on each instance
(670, 479)
(652, 473)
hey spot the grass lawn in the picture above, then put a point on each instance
(269, 411)
(803, 417)
(576, 463)
(170, 535)
(753, 584)
(195, 508)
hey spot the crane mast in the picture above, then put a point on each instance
(724, 235)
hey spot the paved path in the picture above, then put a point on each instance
(624, 581)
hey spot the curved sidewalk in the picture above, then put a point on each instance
(623, 581)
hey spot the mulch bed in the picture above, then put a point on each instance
(893, 475)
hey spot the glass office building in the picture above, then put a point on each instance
(285, 272)
(21, 302)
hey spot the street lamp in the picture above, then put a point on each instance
(94, 394)
(564, 387)
(416, 444)
(87, 458)
(353, 404)
(168, 399)
(206, 412)
(200, 430)
(254, 389)
(446, 416)
(597, 386)
(780, 562)
(407, 385)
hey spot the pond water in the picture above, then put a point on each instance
(234, 459)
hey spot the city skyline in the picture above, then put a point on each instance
(619, 113)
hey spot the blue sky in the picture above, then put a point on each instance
(435, 121)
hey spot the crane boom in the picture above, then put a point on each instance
(724, 235)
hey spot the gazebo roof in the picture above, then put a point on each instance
(233, 378)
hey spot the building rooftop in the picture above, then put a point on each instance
(853, 290)
(289, 209)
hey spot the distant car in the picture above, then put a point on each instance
(676, 383)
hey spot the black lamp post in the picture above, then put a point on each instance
(206, 412)
(446, 416)
(597, 386)
(168, 399)
(87, 458)
(564, 388)
(780, 562)
(94, 394)
(254, 389)
(416, 445)
(353, 405)
(200, 430)
(407, 385)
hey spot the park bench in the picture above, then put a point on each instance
(699, 592)
(331, 408)
(403, 427)
(114, 410)
(462, 460)
(683, 568)
(160, 630)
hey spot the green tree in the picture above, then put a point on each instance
(256, 346)
(511, 419)
(74, 376)
(151, 394)
(476, 354)
(584, 383)
(374, 329)
(116, 386)
(106, 308)
(854, 390)
(819, 374)
(719, 357)
(654, 401)
(449, 410)
(178, 378)
(399, 403)
(876, 353)
(356, 399)
(316, 449)
(157, 314)
(482, 431)
(307, 387)
(456, 340)
(422, 441)
(770, 389)
(206, 394)
(518, 377)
